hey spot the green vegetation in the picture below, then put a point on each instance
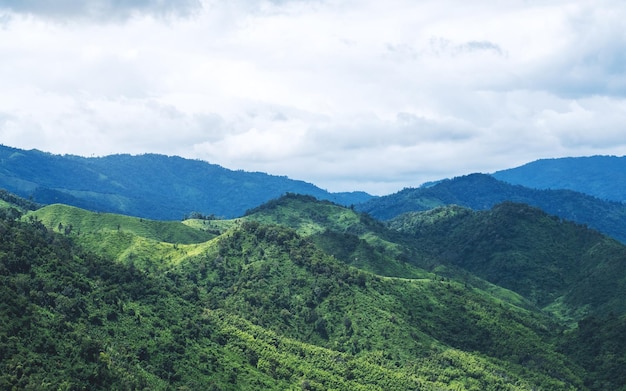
(563, 267)
(354, 238)
(68, 219)
(598, 345)
(9, 200)
(303, 294)
(261, 309)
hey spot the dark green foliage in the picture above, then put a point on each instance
(566, 267)
(151, 186)
(482, 192)
(17, 202)
(200, 216)
(293, 289)
(352, 237)
(600, 176)
(72, 320)
(599, 345)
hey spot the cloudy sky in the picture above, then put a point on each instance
(350, 95)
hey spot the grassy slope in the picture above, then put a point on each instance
(89, 222)
(148, 244)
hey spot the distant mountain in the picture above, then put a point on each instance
(600, 176)
(150, 186)
(481, 192)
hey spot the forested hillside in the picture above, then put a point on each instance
(151, 186)
(481, 192)
(600, 176)
(560, 266)
(273, 301)
(262, 308)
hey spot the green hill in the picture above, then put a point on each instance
(66, 219)
(352, 237)
(141, 242)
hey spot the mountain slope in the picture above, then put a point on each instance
(358, 240)
(565, 268)
(600, 176)
(480, 192)
(260, 308)
(151, 186)
(354, 238)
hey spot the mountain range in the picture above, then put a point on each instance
(482, 192)
(151, 186)
(169, 188)
(470, 283)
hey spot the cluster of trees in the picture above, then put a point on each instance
(17, 202)
(200, 216)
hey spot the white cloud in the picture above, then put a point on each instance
(348, 95)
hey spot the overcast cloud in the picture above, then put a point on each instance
(349, 95)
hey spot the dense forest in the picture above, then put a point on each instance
(308, 295)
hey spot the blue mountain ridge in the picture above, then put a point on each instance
(150, 185)
(600, 176)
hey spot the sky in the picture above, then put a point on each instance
(348, 95)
